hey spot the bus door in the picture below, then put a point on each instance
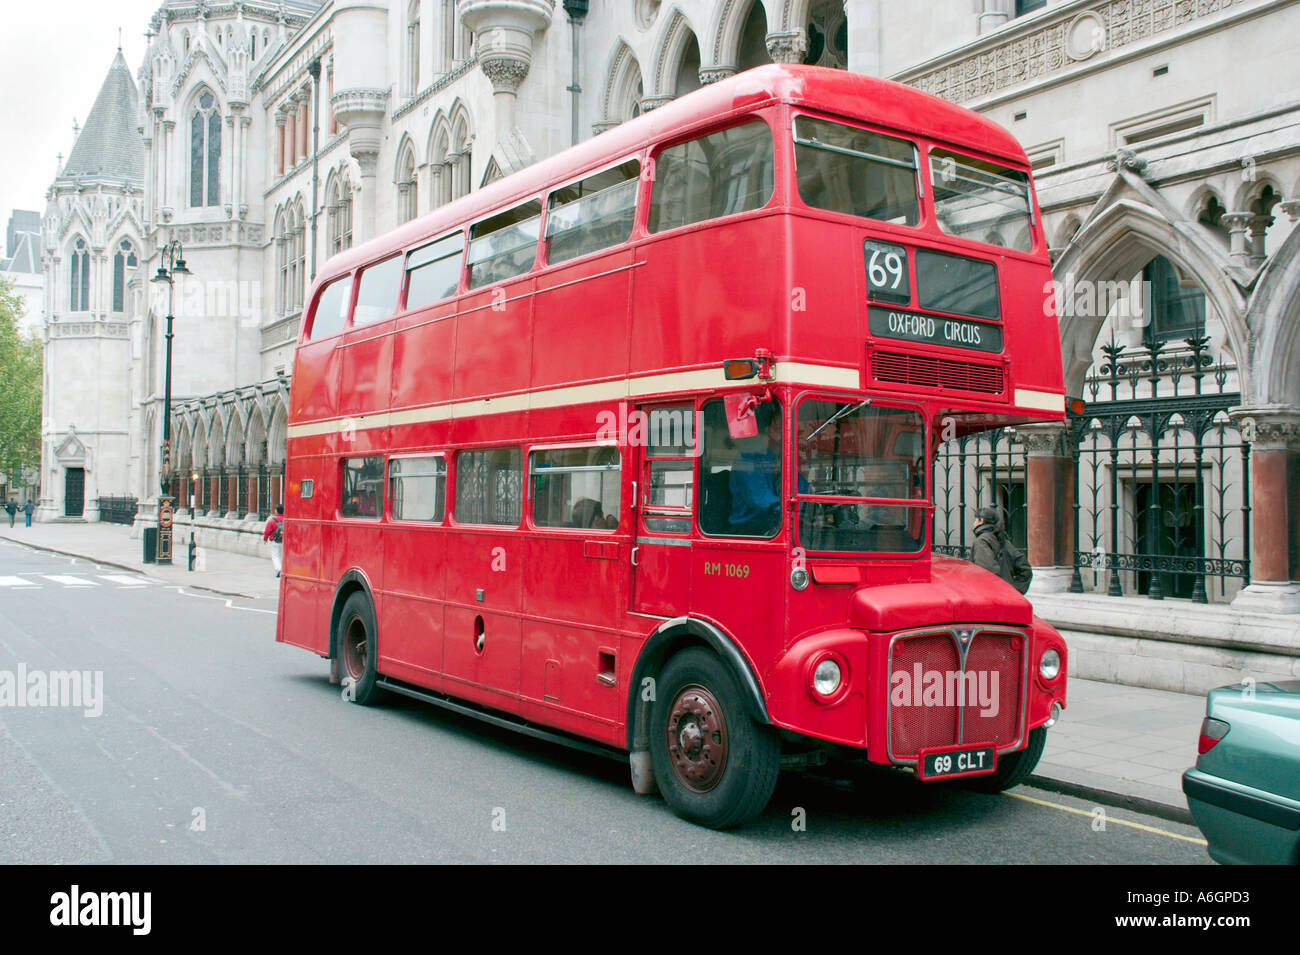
(664, 438)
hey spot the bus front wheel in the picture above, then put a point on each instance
(715, 766)
(1014, 769)
(357, 650)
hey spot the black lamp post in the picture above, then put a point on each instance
(172, 264)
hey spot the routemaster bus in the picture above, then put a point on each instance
(632, 448)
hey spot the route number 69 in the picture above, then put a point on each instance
(882, 266)
(887, 272)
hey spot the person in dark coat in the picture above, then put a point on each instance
(28, 508)
(11, 509)
(996, 554)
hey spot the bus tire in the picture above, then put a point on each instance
(357, 650)
(715, 766)
(1014, 769)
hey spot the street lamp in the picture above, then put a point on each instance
(172, 263)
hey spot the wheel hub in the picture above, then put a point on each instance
(697, 739)
(354, 650)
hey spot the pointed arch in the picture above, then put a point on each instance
(441, 172)
(678, 59)
(78, 274)
(277, 435)
(1274, 318)
(204, 114)
(729, 27)
(1113, 246)
(404, 177)
(462, 145)
(255, 436)
(624, 87)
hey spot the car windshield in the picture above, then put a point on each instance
(861, 481)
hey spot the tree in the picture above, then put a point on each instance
(20, 392)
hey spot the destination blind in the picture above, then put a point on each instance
(933, 329)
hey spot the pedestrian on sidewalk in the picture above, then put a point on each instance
(27, 509)
(11, 508)
(996, 554)
(274, 532)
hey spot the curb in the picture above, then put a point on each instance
(1106, 797)
(134, 570)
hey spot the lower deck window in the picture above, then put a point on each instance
(489, 487)
(576, 487)
(363, 488)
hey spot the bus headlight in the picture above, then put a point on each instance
(799, 578)
(827, 677)
(1050, 664)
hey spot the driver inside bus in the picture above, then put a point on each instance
(755, 480)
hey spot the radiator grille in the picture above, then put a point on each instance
(917, 722)
(927, 371)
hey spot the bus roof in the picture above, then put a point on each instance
(879, 101)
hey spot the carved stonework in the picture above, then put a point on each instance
(1269, 429)
(788, 47)
(713, 75)
(1053, 44)
(649, 103)
(1126, 159)
(1042, 440)
(505, 73)
(348, 103)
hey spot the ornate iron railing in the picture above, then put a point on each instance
(974, 471)
(1162, 476)
(117, 510)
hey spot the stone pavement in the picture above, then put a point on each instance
(1119, 745)
(221, 571)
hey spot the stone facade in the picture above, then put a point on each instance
(339, 120)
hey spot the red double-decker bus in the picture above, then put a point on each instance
(632, 448)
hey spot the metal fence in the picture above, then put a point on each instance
(1162, 477)
(117, 510)
(1161, 503)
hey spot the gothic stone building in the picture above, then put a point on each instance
(1165, 134)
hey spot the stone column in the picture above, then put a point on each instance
(1259, 226)
(280, 120)
(864, 36)
(1049, 496)
(1238, 223)
(291, 137)
(994, 14)
(789, 46)
(1274, 436)
(304, 125)
(504, 31)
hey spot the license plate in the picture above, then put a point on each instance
(956, 761)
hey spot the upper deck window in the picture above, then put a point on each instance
(591, 215)
(856, 171)
(332, 308)
(505, 245)
(981, 200)
(717, 175)
(378, 291)
(433, 271)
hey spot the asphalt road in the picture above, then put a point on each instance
(217, 745)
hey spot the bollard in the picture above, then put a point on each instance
(193, 550)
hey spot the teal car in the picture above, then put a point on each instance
(1244, 791)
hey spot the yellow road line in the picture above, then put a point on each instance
(1118, 822)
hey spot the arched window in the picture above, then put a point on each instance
(460, 158)
(407, 188)
(1173, 303)
(123, 259)
(753, 39)
(440, 163)
(339, 205)
(79, 272)
(252, 52)
(413, 48)
(298, 265)
(205, 151)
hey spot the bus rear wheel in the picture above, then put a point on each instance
(715, 766)
(356, 648)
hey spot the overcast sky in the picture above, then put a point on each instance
(53, 59)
